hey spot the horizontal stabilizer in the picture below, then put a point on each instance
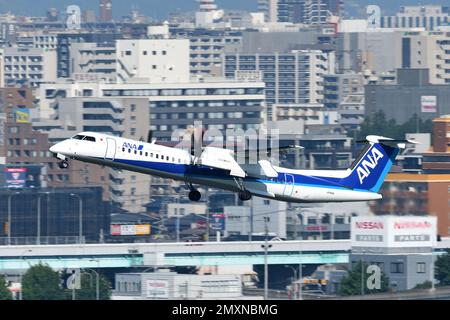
(388, 141)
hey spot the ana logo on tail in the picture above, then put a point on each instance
(368, 164)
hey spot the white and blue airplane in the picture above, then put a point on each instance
(217, 167)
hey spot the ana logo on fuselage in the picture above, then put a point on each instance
(368, 164)
(133, 146)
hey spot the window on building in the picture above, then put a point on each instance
(13, 129)
(397, 267)
(420, 267)
(128, 53)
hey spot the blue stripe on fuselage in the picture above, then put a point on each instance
(208, 172)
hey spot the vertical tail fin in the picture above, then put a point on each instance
(369, 171)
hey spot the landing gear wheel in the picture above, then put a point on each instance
(64, 164)
(194, 195)
(245, 195)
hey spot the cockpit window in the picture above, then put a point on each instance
(78, 137)
(87, 138)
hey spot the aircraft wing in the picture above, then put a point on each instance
(221, 159)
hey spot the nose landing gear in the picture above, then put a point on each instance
(64, 164)
(195, 195)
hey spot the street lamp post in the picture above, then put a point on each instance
(97, 282)
(80, 214)
(266, 247)
(9, 216)
(21, 273)
(295, 275)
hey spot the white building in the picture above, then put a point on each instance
(238, 218)
(172, 286)
(93, 59)
(31, 66)
(158, 60)
(270, 10)
(429, 17)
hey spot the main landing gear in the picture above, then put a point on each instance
(244, 194)
(64, 164)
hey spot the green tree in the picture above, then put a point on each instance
(88, 289)
(5, 294)
(378, 124)
(442, 269)
(351, 284)
(424, 285)
(40, 282)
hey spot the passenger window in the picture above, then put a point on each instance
(129, 150)
(146, 154)
(151, 155)
(141, 153)
(135, 151)
(167, 158)
(157, 156)
(173, 159)
(123, 149)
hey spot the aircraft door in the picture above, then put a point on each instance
(110, 149)
(289, 184)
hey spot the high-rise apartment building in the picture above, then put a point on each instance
(308, 11)
(430, 17)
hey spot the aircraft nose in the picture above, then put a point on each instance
(56, 148)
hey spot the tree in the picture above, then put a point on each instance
(40, 282)
(442, 269)
(377, 124)
(5, 294)
(351, 284)
(88, 289)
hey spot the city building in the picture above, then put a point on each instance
(290, 78)
(93, 60)
(207, 47)
(158, 60)
(64, 41)
(429, 17)
(165, 285)
(106, 11)
(429, 50)
(269, 8)
(29, 66)
(308, 11)
(402, 247)
(411, 94)
(58, 211)
(437, 160)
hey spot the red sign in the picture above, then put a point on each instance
(412, 225)
(369, 225)
(316, 228)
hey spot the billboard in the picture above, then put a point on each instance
(428, 104)
(217, 222)
(157, 289)
(22, 115)
(393, 231)
(130, 229)
(15, 177)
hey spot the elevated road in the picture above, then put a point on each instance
(179, 254)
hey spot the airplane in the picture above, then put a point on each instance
(217, 168)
